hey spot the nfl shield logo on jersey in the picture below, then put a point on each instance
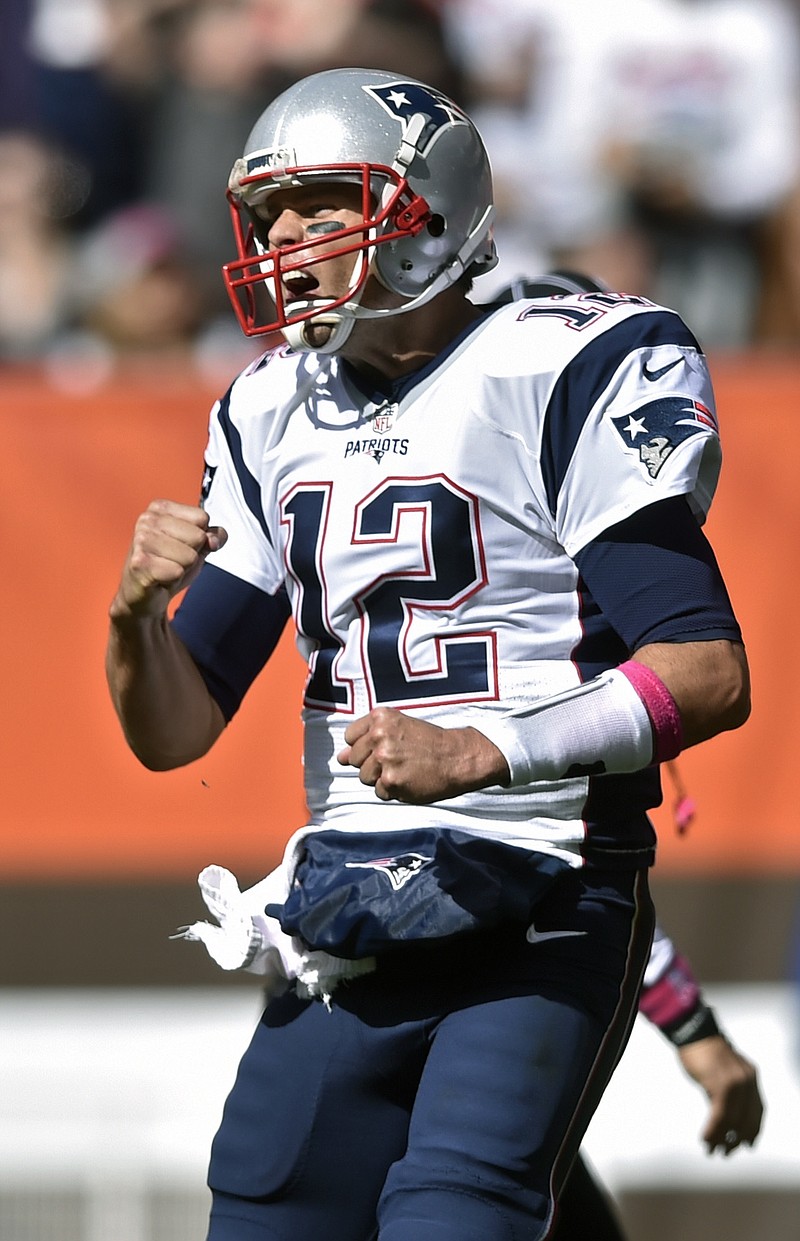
(382, 422)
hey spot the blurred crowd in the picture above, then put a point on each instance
(654, 144)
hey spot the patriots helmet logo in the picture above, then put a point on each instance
(398, 870)
(654, 431)
(402, 100)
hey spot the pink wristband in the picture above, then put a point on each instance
(673, 997)
(660, 705)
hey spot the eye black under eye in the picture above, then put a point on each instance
(319, 227)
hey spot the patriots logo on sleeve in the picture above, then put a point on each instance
(402, 100)
(654, 430)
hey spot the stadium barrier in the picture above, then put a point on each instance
(80, 467)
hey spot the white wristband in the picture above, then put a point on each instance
(598, 727)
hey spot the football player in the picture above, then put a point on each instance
(510, 616)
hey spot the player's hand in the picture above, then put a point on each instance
(170, 544)
(407, 759)
(731, 1083)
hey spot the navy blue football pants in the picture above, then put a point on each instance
(444, 1097)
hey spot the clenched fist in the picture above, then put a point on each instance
(170, 544)
(407, 759)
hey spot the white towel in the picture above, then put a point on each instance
(245, 938)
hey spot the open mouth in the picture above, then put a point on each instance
(299, 285)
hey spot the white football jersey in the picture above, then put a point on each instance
(427, 540)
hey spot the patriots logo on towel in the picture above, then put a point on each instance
(402, 100)
(398, 870)
(655, 430)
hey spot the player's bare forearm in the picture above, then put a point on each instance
(167, 714)
(709, 681)
(407, 759)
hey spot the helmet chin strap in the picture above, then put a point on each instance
(341, 326)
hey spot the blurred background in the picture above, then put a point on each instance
(654, 144)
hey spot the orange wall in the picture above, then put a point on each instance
(73, 802)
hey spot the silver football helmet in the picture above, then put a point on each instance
(426, 192)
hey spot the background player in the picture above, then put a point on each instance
(672, 999)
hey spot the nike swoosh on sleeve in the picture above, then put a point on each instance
(652, 376)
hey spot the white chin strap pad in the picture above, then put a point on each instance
(340, 328)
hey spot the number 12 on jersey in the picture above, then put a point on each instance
(407, 654)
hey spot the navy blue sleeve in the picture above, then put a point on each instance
(230, 629)
(654, 578)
